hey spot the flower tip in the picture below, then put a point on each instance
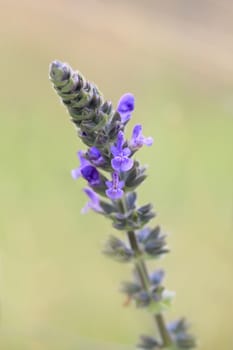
(58, 71)
(55, 64)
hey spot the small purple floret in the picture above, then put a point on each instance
(138, 140)
(115, 186)
(95, 156)
(93, 203)
(91, 174)
(76, 173)
(121, 160)
(126, 106)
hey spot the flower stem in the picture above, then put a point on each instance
(163, 330)
(144, 279)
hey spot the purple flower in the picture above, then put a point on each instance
(126, 106)
(93, 203)
(95, 156)
(121, 160)
(91, 174)
(115, 186)
(138, 140)
(76, 173)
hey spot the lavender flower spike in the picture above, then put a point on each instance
(125, 107)
(138, 140)
(115, 186)
(121, 160)
(93, 202)
(76, 173)
(102, 130)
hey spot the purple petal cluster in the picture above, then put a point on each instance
(121, 160)
(120, 157)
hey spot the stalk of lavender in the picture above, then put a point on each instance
(113, 175)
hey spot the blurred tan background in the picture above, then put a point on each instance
(56, 289)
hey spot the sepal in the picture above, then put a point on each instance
(131, 198)
(145, 213)
(133, 219)
(107, 207)
(118, 250)
(179, 333)
(135, 176)
(155, 297)
(148, 343)
(131, 288)
(181, 339)
(96, 124)
(113, 127)
(152, 242)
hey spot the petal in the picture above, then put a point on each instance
(83, 161)
(137, 130)
(95, 156)
(125, 117)
(99, 161)
(120, 140)
(114, 193)
(114, 151)
(126, 164)
(126, 103)
(108, 184)
(148, 141)
(92, 195)
(75, 173)
(94, 152)
(126, 106)
(116, 163)
(85, 209)
(126, 151)
(91, 174)
(93, 203)
(121, 184)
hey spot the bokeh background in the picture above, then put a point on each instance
(57, 291)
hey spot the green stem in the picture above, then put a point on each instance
(163, 330)
(145, 282)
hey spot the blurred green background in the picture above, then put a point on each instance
(56, 289)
